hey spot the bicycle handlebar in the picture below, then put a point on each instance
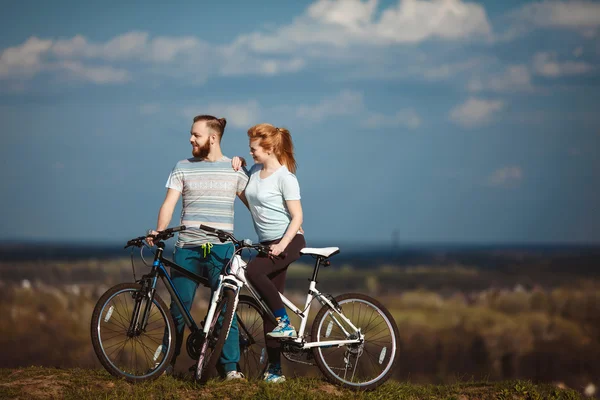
(162, 235)
(246, 243)
(222, 235)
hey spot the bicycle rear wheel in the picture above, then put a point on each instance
(362, 366)
(253, 350)
(211, 348)
(137, 354)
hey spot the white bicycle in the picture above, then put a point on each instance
(353, 339)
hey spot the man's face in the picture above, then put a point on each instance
(200, 139)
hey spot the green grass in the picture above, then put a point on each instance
(47, 383)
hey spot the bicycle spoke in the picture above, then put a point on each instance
(118, 320)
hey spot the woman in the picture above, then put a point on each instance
(273, 198)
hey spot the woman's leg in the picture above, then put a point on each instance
(267, 276)
(273, 344)
(260, 268)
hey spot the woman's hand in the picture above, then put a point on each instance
(277, 249)
(237, 163)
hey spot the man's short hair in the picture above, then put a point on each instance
(215, 124)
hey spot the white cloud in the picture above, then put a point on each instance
(341, 31)
(579, 15)
(345, 103)
(514, 78)
(475, 112)
(239, 115)
(350, 103)
(167, 49)
(94, 74)
(350, 14)
(24, 60)
(448, 70)
(235, 63)
(408, 118)
(343, 23)
(546, 64)
(132, 46)
(415, 20)
(505, 177)
(183, 57)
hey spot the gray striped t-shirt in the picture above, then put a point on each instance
(208, 191)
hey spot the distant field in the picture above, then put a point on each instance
(532, 316)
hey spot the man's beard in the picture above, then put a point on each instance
(201, 151)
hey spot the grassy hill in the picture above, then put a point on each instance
(50, 383)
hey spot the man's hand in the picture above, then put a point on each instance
(150, 237)
(238, 162)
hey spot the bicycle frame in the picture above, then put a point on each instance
(228, 280)
(159, 270)
(313, 293)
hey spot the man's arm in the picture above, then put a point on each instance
(165, 213)
(166, 210)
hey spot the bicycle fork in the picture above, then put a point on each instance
(139, 318)
(226, 282)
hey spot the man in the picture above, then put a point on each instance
(208, 186)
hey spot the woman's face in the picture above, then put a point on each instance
(257, 152)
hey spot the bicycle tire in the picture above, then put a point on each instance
(389, 352)
(225, 307)
(111, 318)
(253, 349)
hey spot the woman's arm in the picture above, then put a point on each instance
(242, 196)
(238, 162)
(295, 209)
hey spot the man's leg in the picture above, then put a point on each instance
(220, 254)
(186, 288)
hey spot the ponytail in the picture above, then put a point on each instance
(285, 152)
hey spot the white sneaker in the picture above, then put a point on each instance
(273, 374)
(231, 375)
(283, 329)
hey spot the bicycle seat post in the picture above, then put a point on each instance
(316, 270)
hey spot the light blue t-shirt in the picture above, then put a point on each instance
(267, 197)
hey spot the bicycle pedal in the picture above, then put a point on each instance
(289, 339)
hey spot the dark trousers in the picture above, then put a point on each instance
(267, 276)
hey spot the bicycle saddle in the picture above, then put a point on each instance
(323, 251)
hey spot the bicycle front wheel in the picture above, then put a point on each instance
(362, 366)
(253, 350)
(128, 349)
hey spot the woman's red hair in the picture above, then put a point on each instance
(277, 140)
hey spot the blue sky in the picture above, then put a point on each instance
(443, 121)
